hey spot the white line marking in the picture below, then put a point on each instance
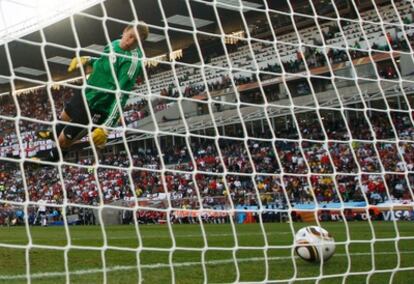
(143, 236)
(167, 265)
(209, 235)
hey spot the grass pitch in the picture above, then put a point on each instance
(189, 262)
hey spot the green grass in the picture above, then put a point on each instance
(85, 265)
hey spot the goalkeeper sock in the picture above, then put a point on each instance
(51, 155)
(59, 128)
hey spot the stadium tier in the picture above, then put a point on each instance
(199, 141)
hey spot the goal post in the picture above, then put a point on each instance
(240, 122)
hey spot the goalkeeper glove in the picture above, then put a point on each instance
(77, 62)
(99, 137)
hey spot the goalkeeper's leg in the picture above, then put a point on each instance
(68, 135)
(48, 134)
(70, 140)
(74, 111)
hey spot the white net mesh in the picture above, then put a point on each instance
(250, 120)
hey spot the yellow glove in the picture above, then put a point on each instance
(99, 137)
(77, 62)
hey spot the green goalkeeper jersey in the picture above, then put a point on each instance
(126, 70)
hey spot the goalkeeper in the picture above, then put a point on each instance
(103, 107)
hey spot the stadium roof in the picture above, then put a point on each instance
(61, 34)
(26, 45)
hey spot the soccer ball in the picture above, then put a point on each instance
(314, 243)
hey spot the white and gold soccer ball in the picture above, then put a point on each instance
(314, 243)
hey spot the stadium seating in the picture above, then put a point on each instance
(82, 188)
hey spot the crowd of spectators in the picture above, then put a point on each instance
(36, 103)
(253, 173)
(374, 171)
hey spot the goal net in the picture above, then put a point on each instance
(240, 122)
